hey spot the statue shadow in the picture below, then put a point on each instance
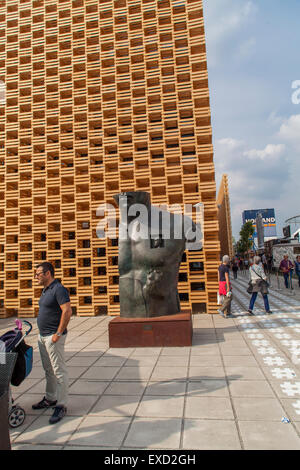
(119, 417)
(133, 412)
(212, 336)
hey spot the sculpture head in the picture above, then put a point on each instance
(133, 197)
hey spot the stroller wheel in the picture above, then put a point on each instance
(16, 417)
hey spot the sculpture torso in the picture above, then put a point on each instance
(148, 270)
(148, 277)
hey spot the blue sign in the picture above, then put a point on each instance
(269, 220)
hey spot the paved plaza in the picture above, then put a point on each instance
(230, 390)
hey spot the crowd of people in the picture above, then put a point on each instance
(242, 264)
(259, 267)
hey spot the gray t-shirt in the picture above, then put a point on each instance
(50, 312)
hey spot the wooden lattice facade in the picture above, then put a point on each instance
(102, 96)
(224, 214)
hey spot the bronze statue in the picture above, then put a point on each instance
(151, 245)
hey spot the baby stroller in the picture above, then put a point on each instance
(13, 342)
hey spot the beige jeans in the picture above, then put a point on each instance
(226, 304)
(53, 361)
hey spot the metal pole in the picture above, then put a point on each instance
(278, 284)
(291, 282)
(269, 278)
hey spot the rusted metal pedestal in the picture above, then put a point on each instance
(168, 331)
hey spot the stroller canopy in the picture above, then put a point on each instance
(11, 339)
(14, 342)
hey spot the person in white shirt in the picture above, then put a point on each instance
(258, 280)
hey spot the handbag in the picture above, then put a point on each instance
(262, 284)
(250, 288)
(264, 287)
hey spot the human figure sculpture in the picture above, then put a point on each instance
(150, 254)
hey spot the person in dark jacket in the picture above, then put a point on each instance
(235, 268)
(286, 267)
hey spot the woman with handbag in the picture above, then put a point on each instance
(258, 283)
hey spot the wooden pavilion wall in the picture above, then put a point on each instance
(102, 97)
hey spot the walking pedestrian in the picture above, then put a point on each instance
(264, 262)
(54, 315)
(286, 266)
(258, 280)
(225, 290)
(235, 269)
(297, 268)
(270, 264)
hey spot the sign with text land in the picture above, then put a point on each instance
(269, 220)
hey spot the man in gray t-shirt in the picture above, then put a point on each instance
(54, 315)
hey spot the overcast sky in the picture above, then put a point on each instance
(253, 49)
